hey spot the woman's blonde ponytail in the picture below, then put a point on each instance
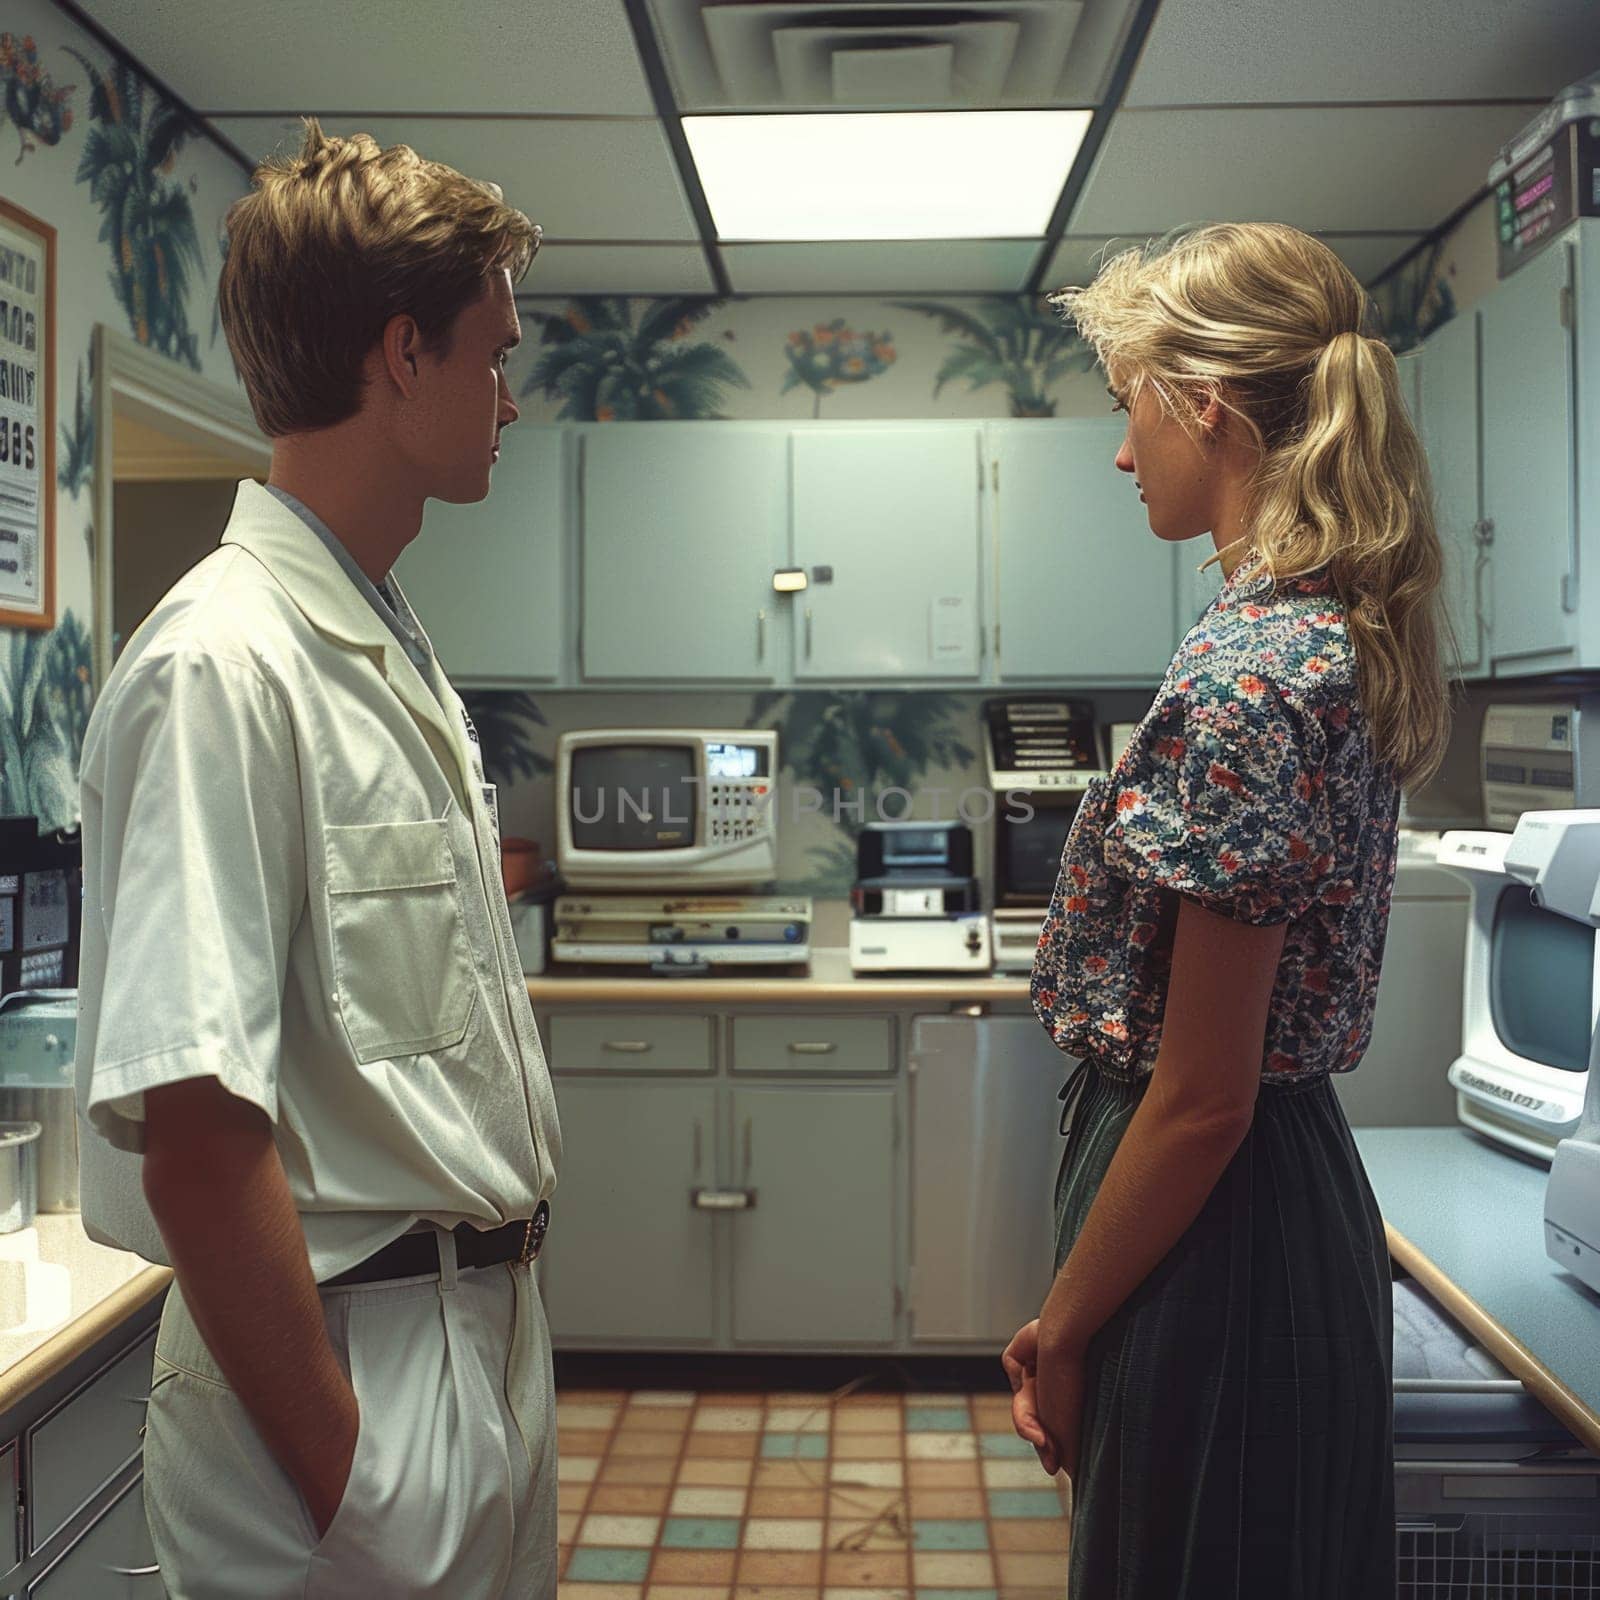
(1270, 319)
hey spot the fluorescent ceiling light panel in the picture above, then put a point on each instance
(885, 174)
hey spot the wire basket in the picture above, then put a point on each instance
(1522, 1555)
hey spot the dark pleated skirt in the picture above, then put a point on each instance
(1238, 1413)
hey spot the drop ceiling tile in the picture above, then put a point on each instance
(401, 55)
(1352, 170)
(1201, 52)
(918, 266)
(631, 269)
(577, 180)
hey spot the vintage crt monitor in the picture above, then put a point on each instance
(1557, 854)
(1529, 989)
(1042, 753)
(666, 808)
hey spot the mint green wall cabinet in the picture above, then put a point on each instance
(1529, 465)
(1085, 591)
(886, 527)
(629, 1256)
(813, 1258)
(1447, 373)
(486, 580)
(681, 526)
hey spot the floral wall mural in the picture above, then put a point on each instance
(833, 353)
(37, 107)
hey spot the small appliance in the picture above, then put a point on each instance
(915, 904)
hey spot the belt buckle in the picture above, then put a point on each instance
(533, 1234)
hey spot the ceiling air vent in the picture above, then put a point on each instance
(745, 56)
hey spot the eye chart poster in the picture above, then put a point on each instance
(27, 420)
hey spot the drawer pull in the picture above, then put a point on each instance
(815, 1047)
(136, 1572)
(630, 1046)
(723, 1199)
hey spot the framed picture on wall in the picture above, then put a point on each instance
(27, 420)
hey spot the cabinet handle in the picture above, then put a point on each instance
(761, 634)
(628, 1046)
(808, 633)
(135, 1572)
(819, 1047)
(723, 1199)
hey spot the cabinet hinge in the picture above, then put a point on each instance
(1565, 299)
(994, 468)
(997, 641)
(1569, 593)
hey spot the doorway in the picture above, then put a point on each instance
(170, 450)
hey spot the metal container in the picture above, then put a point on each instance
(19, 1175)
(56, 1112)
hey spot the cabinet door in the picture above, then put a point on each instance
(985, 1150)
(113, 1559)
(1086, 590)
(485, 579)
(683, 524)
(1403, 1078)
(886, 525)
(629, 1257)
(813, 1259)
(1448, 420)
(1528, 463)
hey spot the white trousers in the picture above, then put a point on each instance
(453, 1488)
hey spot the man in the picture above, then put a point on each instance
(305, 1040)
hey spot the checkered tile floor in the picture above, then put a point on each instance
(677, 1496)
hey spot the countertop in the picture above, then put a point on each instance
(828, 981)
(107, 1286)
(1466, 1219)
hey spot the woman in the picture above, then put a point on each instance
(1212, 1364)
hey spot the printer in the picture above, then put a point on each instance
(915, 905)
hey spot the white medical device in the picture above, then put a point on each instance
(1562, 849)
(1529, 988)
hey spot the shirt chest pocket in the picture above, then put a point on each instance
(402, 973)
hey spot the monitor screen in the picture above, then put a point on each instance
(634, 797)
(1031, 851)
(735, 761)
(1541, 982)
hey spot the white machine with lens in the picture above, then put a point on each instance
(1558, 854)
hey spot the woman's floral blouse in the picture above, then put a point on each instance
(1252, 788)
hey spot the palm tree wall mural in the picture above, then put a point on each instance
(46, 692)
(77, 436)
(823, 357)
(1416, 300)
(503, 718)
(145, 214)
(1009, 340)
(605, 367)
(860, 745)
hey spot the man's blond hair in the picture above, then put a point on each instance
(333, 242)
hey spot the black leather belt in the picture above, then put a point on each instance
(416, 1255)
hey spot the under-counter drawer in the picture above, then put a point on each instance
(630, 1041)
(817, 1044)
(10, 1533)
(86, 1440)
(114, 1560)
